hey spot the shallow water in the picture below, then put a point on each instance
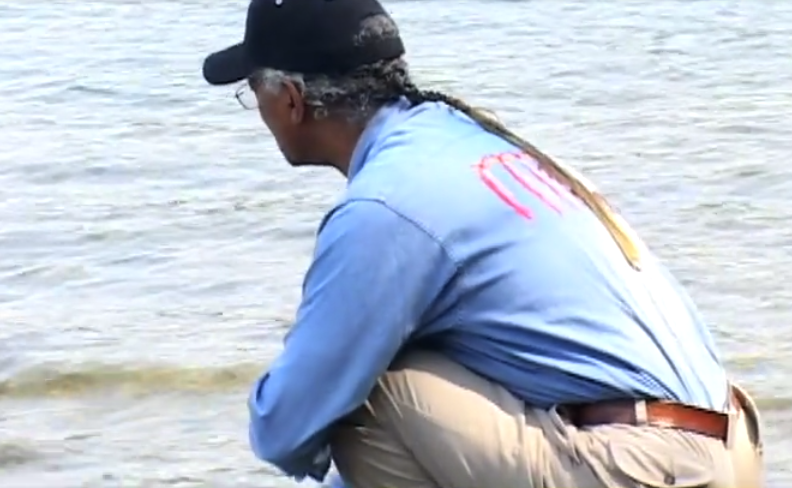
(153, 242)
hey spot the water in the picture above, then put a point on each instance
(153, 241)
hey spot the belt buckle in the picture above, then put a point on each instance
(641, 412)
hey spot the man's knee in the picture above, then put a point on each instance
(423, 405)
(371, 446)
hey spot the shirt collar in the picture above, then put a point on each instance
(378, 124)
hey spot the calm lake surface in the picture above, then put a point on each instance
(153, 241)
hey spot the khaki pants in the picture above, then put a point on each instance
(430, 423)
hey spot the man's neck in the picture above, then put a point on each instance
(340, 141)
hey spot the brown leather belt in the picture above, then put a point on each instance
(658, 414)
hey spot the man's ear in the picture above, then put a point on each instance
(296, 103)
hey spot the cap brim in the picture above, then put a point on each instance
(227, 66)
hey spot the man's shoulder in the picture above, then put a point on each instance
(363, 215)
(407, 183)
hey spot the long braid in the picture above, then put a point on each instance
(621, 232)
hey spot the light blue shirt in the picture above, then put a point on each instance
(492, 262)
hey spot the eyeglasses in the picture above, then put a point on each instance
(246, 97)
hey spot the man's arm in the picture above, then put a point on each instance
(374, 276)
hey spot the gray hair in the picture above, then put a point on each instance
(356, 95)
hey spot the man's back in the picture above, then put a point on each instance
(543, 302)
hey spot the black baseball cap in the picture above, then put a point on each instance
(304, 36)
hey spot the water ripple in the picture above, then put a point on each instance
(132, 380)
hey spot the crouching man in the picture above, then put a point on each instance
(475, 315)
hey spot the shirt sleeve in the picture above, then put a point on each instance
(374, 275)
